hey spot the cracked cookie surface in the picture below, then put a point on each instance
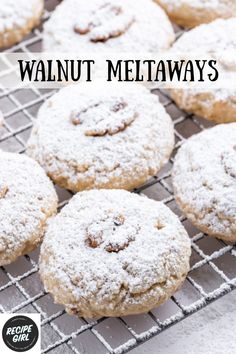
(101, 26)
(102, 135)
(17, 19)
(204, 179)
(191, 13)
(27, 200)
(113, 253)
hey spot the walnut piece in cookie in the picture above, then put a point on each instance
(109, 20)
(204, 180)
(110, 116)
(112, 231)
(27, 200)
(102, 135)
(103, 254)
(3, 190)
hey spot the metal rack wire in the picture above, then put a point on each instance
(213, 263)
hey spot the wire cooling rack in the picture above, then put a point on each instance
(213, 263)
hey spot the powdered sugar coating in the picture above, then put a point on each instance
(27, 199)
(99, 26)
(15, 13)
(218, 38)
(136, 263)
(191, 13)
(101, 135)
(204, 179)
(17, 18)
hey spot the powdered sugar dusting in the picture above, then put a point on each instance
(132, 271)
(16, 13)
(204, 178)
(27, 198)
(218, 38)
(104, 26)
(101, 136)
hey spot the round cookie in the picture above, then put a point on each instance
(27, 200)
(218, 105)
(204, 179)
(113, 253)
(17, 19)
(105, 26)
(102, 135)
(191, 13)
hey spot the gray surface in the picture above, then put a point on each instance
(210, 330)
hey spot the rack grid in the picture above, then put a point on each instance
(213, 263)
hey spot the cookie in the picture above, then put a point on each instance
(204, 179)
(102, 26)
(113, 253)
(219, 104)
(27, 200)
(17, 19)
(1, 119)
(102, 135)
(191, 13)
